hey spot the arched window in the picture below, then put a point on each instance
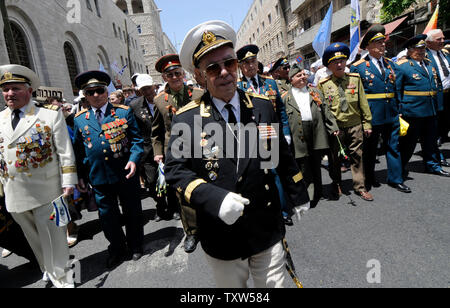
(122, 5)
(71, 65)
(22, 46)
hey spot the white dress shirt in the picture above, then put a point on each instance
(220, 105)
(445, 80)
(303, 102)
(376, 63)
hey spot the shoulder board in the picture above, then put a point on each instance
(325, 79)
(258, 96)
(444, 50)
(427, 60)
(191, 105)
(50, 107)
(239, 80)
(160, 97)
(268, 77)
(403, 61)
(353, 75)
(284, 94)
(359, 62)
(121, 106)
(81, 112)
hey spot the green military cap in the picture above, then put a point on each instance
(295, 69)
(92, 79)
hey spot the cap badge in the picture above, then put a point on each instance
(8, 76)
(209, 38)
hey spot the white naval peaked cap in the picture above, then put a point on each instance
(144, 80)
(13, 73)
(204, 38)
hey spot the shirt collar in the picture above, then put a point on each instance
(220, 104)
(103, 109)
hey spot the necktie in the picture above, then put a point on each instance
(383, 72)
(343, 102)
(231, 115)
(255, 84)
(98, 116)
(16, 119)
(425, 68)
(444, 67)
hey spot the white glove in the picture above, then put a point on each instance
(288, 139)
(232, 208)
(300, 210)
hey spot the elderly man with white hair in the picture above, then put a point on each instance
(440, 59)
(37, 166)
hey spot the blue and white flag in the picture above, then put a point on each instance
(111, 87)
(355, 33)
(323, 37)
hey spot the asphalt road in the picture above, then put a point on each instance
(399, 240)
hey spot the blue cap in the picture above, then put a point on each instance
(248, 51)
(416, 42)
(92, 79)
(335, 51)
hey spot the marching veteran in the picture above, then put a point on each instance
(379, 77)
(228, 182)
(312, 124)
(175, 96)
(108, 148)
(257, 84)
(417, 86)
(37, 165)
(344, 92)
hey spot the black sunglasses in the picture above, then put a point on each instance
(214, 70)
(99, 91)
(176, 74)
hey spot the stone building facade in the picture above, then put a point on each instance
(154, 43)
(59, 39)
(265, 26)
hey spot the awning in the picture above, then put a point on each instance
(390, 27)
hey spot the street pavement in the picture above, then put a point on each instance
(399, 240)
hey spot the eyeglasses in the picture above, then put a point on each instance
(214, 69)
(176, 74)
(99, 91)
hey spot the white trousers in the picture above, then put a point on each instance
(267, 269)
(48, 242)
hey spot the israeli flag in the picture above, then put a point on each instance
(355, 33)
(61, 211)
(323, 37)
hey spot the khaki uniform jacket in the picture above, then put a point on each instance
(39, 158)
(166, 108)
(324, 123)
(358, 107)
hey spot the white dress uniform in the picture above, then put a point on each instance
(37, 160)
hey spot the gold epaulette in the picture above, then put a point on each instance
(258, 96)
(121, 106)
(269, 77)
(49, 107)
(191, 105)
(325, 80)
(403, 61)
(81, 112)
(353, 75)
(359, 62)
